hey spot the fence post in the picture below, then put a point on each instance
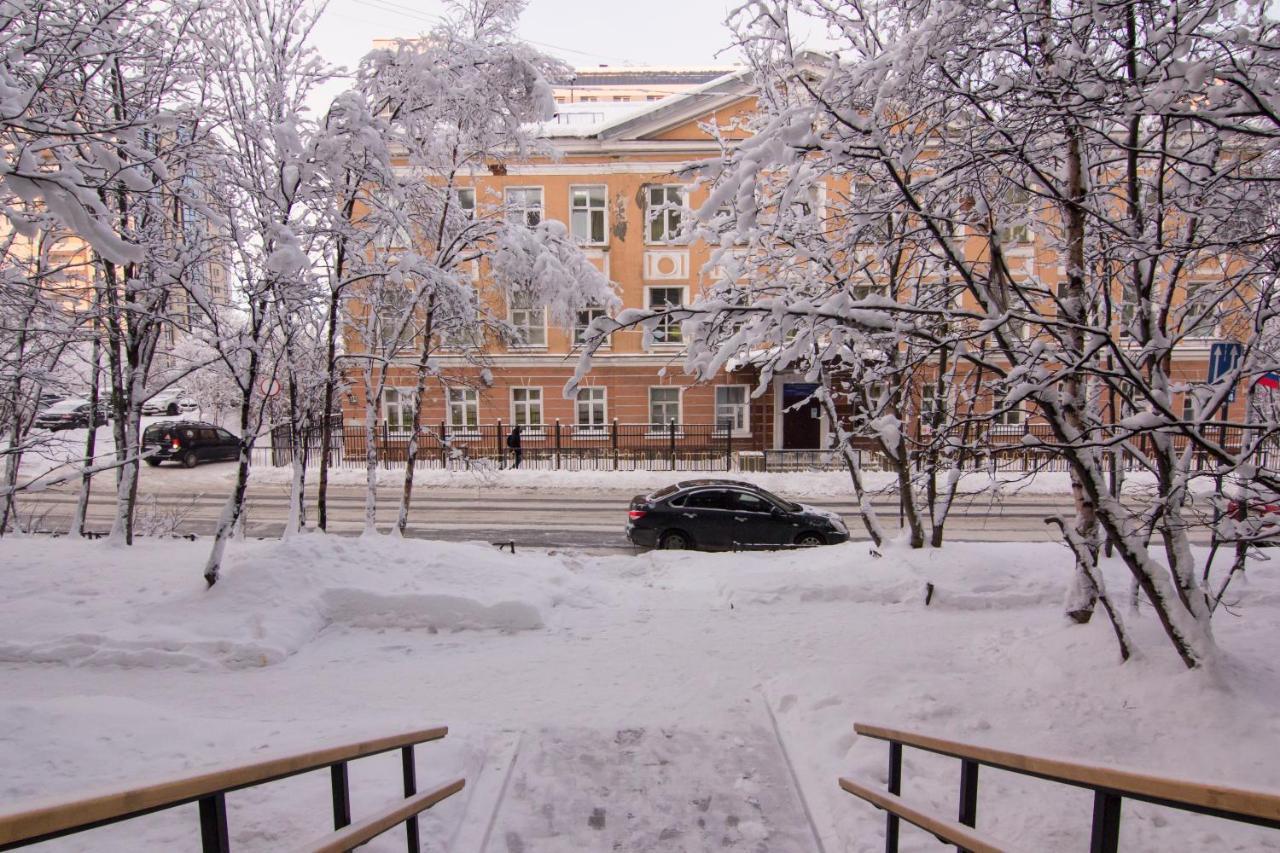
(444, 449)
(728, 448)
(557, 444)
(386, 440)
(502, 449)
(672, 429)
(613, 441)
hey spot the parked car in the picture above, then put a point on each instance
(188, 442)
(70, 414)
(170, 401)
(724, 514)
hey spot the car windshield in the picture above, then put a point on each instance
(66, 407)
(782, 502)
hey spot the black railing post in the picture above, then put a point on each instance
(672, 445)
(386, 441)
(213, 824)
(341, 795)
(968, 794)
(1106, 823)
(444, 447)
(728, 448)
(410, 788)
(557, 444)
(895, 788)
(498, 442)
(613, 441)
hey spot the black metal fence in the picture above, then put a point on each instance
(1021, 448)
(555, 446)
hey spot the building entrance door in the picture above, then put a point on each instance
(801, 424)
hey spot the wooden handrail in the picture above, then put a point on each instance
(1210, 797)
(32, 822)
(356, 834)
(947, 830)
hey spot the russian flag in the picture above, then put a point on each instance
(1270, 379)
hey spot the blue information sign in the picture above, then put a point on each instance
(1223, 358)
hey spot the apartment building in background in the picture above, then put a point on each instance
(622, 136)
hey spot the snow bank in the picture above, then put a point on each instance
(148, 606)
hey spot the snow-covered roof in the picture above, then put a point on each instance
(593, 118)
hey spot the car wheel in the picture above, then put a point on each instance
(675, 540)
(810, 540)
(153, 462)
(172, 410)
(190, 459)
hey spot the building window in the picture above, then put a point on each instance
(1015, 230)
(928, 405)
(585, 319)
(664, 407)
(663, 213)
(530, 321)
(524, 205)
(397, 409)
(731, 408)
(1200, 310)
(587, 214)
(464, 409)
(668, 329)
(591, 409)
(1011, 417)
(467, 201)
(526, 407)
(395, 315)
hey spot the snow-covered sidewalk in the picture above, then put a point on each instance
(558, 672)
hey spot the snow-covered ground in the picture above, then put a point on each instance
(666, 701)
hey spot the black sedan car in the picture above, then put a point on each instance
(726, 514)
(188, 442)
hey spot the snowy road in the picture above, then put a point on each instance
(550, 517)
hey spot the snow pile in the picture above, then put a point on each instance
(70, 603)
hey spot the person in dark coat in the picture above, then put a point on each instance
(513, 442)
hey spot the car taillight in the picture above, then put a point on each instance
(636, 514)
(175, 444)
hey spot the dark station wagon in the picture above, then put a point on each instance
(188, 442)
(717, 515)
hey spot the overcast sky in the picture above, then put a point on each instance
(582, 33)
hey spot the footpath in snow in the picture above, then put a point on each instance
(656, 702)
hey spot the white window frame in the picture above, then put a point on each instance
(651, 215)
(590, 210)
(469, 399)
(599, 397)
(1010, 420)
(664, 428)
(462, 194)
(1207, 327)
(532, 400)
(928, 405)
(403, 406)
(580, 328)
(741, 411)
(667, 324)
(522, 211)
(522, 317)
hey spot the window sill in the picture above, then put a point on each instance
(601, 434)
(527, 347)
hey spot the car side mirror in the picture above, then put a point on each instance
(777, 512)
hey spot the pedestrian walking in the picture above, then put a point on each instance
(513, 443)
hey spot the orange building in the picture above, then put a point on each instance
(618, 187)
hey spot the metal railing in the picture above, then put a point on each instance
(36, 823)
(554, 446)
(1110, 786)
